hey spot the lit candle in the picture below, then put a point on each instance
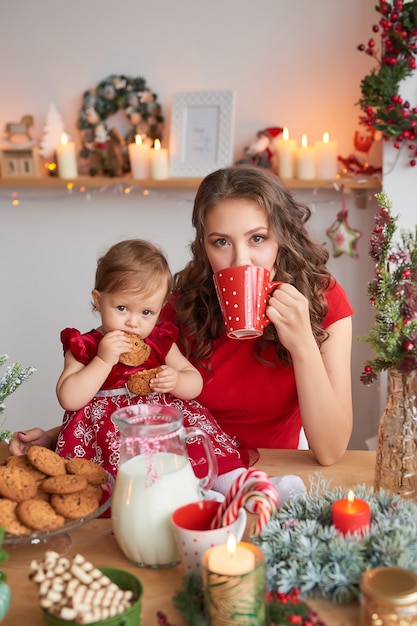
(305, 161)
(139, 158)
(326, 158)
(285, 149)
(159, 161)
(66, 158)
(230, 559)
(351, 514)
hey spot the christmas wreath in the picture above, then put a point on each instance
(304, 551)
(383, 108)
(116, 92)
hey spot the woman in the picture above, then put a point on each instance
(297, 375)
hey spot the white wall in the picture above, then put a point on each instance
(289, 63)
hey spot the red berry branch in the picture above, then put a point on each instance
(383, 107)
(393, 294)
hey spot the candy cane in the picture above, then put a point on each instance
(250, 485)
(265, 501)
(243, 482)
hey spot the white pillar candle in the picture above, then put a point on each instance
(66, 158)
(326, 158)
(285, 149)
(230, 559)
(305, 161)
(159, 161)
(139, 158)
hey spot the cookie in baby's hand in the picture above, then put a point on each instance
(139, 352)
(139, 383)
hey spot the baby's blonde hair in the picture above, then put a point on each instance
(133, 265)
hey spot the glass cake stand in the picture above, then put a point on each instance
(22, 549)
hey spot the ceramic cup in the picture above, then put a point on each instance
(243, 296)
(191, 530)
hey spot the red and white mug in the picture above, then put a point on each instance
(243, 292)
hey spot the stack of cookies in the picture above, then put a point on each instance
(41, 490)
(75, 590)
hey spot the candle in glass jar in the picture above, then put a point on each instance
(285, 149)
(66, 158)
(230, 559)
(139, 158)
(326, 158)
(159, 161)
(305, 161)
(351, 514)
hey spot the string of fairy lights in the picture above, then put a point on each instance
(16, 195)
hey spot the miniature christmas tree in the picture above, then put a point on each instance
(53, 130)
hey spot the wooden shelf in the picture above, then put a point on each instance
(93, 182)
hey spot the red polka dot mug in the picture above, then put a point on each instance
(243, 293)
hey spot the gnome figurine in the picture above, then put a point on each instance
(262, 150)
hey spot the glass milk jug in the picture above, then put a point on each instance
(154, 478)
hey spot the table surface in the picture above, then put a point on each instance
(95, 541)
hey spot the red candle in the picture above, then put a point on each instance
(351, 514)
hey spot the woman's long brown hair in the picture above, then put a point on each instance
(300, 261)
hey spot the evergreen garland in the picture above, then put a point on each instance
(14, 376)
(304, 551)
(393, 293)
(383, 108)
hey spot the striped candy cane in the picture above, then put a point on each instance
(250, 485)
(264, 498)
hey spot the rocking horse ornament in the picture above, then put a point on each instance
(17, 134)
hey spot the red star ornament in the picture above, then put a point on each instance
(344, 238)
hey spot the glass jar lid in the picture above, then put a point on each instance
(390, 585)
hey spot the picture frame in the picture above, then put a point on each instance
(202, 131)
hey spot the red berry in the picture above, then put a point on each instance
(409, 346)
(413, 162)
(368, 369)
(406, 273)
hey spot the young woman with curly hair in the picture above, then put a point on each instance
(296, 377)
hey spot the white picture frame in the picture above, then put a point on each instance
(202, 131)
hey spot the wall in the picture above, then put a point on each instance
(289, 63)
(292, 64)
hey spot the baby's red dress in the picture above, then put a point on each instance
(90, 432)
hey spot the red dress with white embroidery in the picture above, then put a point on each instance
(90, 433)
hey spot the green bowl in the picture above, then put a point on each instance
(130, 617)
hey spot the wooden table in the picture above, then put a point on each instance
(96, 542)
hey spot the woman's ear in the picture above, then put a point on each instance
(96, 299)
